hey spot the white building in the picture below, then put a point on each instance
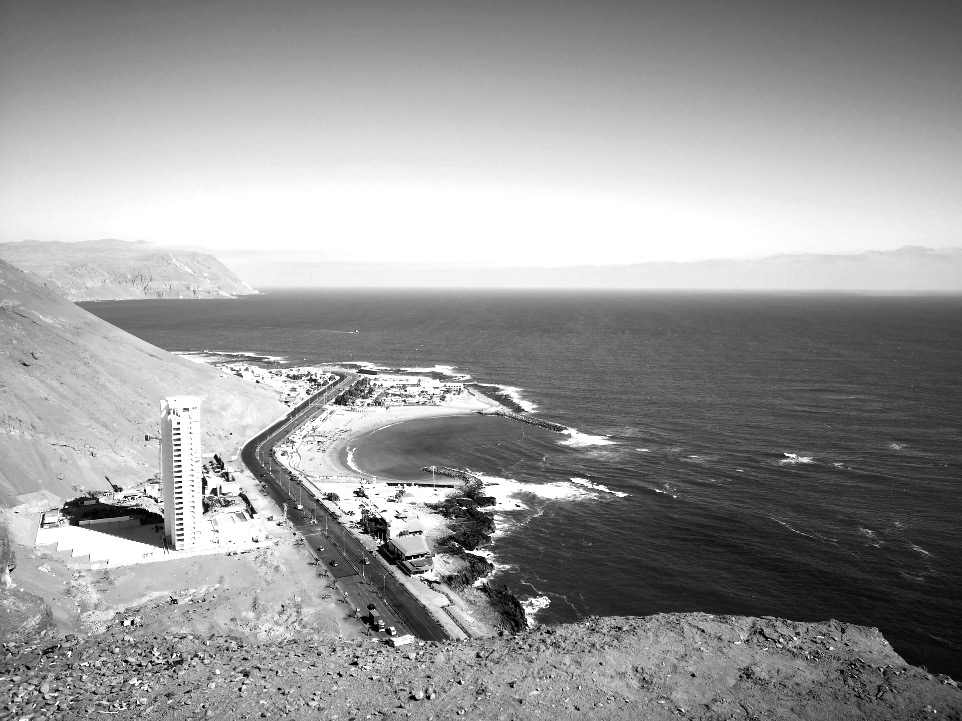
(180, 467)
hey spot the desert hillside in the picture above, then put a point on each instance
(116, 269)
(79, 395)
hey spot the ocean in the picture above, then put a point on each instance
(757, 454)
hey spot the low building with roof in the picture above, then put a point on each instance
(411, 553)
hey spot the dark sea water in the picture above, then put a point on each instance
(699, 397)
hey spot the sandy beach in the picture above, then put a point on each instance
(319, 448)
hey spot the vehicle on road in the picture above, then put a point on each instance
(263, 475)
(334, 562)
(365, 561)
(300, 506)
(375, 619)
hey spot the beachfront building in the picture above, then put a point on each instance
(379, 525)
(181, 471)
(411, 553)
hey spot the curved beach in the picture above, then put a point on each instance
(321, 448)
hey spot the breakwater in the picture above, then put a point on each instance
(547, 425)
(497, 394)
(449, 472)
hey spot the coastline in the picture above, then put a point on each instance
(336, 429)
(320, 454)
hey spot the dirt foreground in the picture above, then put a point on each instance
(272, 593)
(675, 666)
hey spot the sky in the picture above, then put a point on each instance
(487, 133)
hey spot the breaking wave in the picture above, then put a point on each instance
(577, 439)
(532, 605)
(597, 487)
(448, 371)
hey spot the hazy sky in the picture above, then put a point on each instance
(484, 132)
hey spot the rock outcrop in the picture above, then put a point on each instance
(116, 269)
(79, 397)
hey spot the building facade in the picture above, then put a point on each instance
(181, 471)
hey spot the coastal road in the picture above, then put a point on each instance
(361, 573)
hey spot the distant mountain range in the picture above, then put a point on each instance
(909, 269)
(117, 269)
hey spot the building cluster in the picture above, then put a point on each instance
(403, 539)
(292, 385)
(393, 390)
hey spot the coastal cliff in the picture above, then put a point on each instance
(116, 269)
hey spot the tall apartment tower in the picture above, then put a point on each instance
(181, 470)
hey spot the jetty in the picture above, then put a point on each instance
(547, 425)
(459, 473)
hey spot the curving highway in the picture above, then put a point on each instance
(361, 573)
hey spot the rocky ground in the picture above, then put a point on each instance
(677, 666)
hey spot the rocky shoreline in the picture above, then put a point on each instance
(472, 529)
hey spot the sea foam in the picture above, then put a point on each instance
(514, 394)
(532, 605)
(791, 459)
(501, 488)
(577, 439)
(597, 487)
(350, 462)
(441, 369)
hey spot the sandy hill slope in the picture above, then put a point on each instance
(79, 395)
(116, 269)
